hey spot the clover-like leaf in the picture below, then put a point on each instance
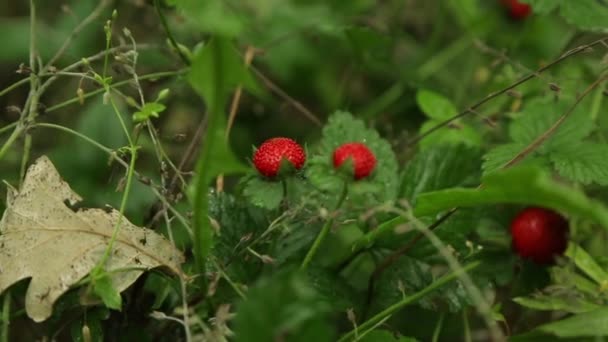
(44, 237)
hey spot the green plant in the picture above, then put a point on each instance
(428, 127)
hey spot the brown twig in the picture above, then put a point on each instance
(282, 94)
(491, 96)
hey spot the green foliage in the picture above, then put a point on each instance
(149, 110)
(102, 286)
(588, 324)
(439, 167)
(438, 108)
(384, 336)
(342, 128)
(518, 185)
(263, 192)
(282, 306)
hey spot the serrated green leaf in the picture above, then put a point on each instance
(583, 162)
(282, 306)
(587, 264)
(434, 105)
(540, 114)
(264, 193)
(586, 14)
(102, 286)
(592, 324)
(342, 128)
(440, 167)
(497, 157)
(556, 303)
(518, 185)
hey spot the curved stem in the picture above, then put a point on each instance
(172, 40)
(444, 280)
(324, 231)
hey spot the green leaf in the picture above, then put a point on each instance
(149, 110)
(592, 324)
(332, 288)
(440, 167)
(342, 128)
(586, 14)
(497, 157)
(540, 114)
(583, 162)
(434, 105)
(264, 193)
(215, 70)
(587, 264)
(518, 185)
(102, 286)
(556, 303)
(283, 306)
(456, 133)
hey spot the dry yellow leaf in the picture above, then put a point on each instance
(43, 238)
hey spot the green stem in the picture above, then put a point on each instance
(6, 317)
(324, 231)
(27, 145)
(78, 134)
(11, 140)
(439, 60)
(163, 22)
(438, 328)
(466, 326)
(115, 85)
(14, 86)
(442, 281)
(8, 127)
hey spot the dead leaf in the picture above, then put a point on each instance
(44, 238)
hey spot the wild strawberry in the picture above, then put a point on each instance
(267, 159)
(363, 158)
(539, 234)
(517, 10)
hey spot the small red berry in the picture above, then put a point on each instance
(363, 158)
(517, 10)
(267, 159)
(539, 234)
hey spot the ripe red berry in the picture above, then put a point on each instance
(363, 158)
(517, 10)
(539, 234)
(267, 159)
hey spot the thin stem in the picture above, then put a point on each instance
(466, 327)
(493, 95)
(324, 231)
(14, 86)
(115, 85)
(89, 19)
(27, 145)
(440, 282)
(8, 127)
(172, 40)
(76, 133)
(438, 328)
(11, 140)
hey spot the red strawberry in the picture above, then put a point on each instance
(362, 157)
(267, 159)
(539, 234)
(517, 10)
